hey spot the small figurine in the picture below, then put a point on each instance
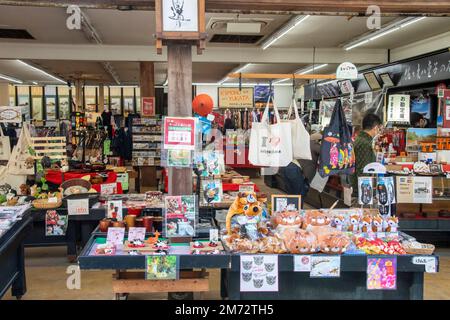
(354, 224)
(153, 240)
(338, 222)
(377, 224)
(366, 224)
(391, 224)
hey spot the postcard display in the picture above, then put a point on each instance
(146, 141)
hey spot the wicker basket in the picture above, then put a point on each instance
(425, 249)
(76, 182)
(44, 204)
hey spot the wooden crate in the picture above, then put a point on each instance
(52, 147)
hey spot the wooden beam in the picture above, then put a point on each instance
(280, 76)
(388, 7)
(149, 286)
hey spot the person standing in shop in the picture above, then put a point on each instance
(364, 153)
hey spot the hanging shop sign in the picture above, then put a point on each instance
(346, 70)
(11, 114)
(180, 20)
(398, 108)
(148, 106)
(179, 133)
(235, 98)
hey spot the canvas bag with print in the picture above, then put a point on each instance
(5, 146)
(301, 148)
(270, 145)
(336, 152)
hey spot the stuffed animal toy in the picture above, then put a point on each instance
(316, 218)
(391, 224)
(336, 243)
(287, 220)
(300, 241)
(377, 224)
(246, 203)
(366, 224)
(354, 223)
(338, 222)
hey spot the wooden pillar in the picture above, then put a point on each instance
(101, 98)
(79, 95)
(4, 94)
(180, 105)
(147, 78)
(148, 175)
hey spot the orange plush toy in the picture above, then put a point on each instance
(377, 224)
(354, 223)
(366, 224)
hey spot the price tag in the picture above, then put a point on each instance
(213, 235)
(429, 262)
(52, 200)
(246, 188)
(78, 207)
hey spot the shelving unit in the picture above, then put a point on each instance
(146, 142)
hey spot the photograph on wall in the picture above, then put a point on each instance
(382, 273)
(282, 202)
(161, 267)
(55, 224)
(212, 191)
(416, 136)
(180, 216)
(114, 208)
(259, 273)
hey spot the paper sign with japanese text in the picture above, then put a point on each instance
(179, 133)
(77, 207)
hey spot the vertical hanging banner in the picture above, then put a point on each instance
(259, 273)
(148, 106)
(382, 273)
(398, 108)
(179, 133)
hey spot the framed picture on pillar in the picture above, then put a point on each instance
(180, 20)
(148, 106)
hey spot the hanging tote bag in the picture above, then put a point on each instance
(300, 137)
(270, 145)
(336, 153)
(14, 180)
(5, 146)
(21, 161)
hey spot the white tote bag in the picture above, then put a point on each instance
(20, 162)
(5, 146)
(270, 145)
(300, 137)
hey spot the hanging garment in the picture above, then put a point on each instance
(5, 146)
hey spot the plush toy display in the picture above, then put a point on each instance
(354, 223)
(246, 205)
(316, 218)
(339, 222)
(377, 224)
(366, 224)
(287, 220)
(335, 243)
(391, 224)
(300, 241)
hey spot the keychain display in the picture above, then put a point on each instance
(385, 194)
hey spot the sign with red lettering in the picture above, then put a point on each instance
(179, 133)
(148, 106)
(78, 207)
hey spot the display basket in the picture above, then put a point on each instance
(426, 249)
(44, 204)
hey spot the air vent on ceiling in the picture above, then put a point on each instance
(235, 38)
(15, 34)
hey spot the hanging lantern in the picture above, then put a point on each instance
(203, 105)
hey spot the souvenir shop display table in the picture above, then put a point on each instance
(351, 284)
(12, 258)
(128, 281)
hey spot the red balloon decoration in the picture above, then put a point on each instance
(203, 105)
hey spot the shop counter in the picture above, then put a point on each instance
(350, 285)
(12, 264)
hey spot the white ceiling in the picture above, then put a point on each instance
(48, 25)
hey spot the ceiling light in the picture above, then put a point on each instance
(41, 71)
(304, 71)
(34, 82)
(2, 76)
(383, 31)
(241, 68)
(294, 22)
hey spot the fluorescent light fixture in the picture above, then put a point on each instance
(284, 30)
(382, 32)
(304, 71)
(34, 82)
(2, 76)
(239, 70)
(41, 71)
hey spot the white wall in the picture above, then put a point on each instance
(431, 44)
(282, 95)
